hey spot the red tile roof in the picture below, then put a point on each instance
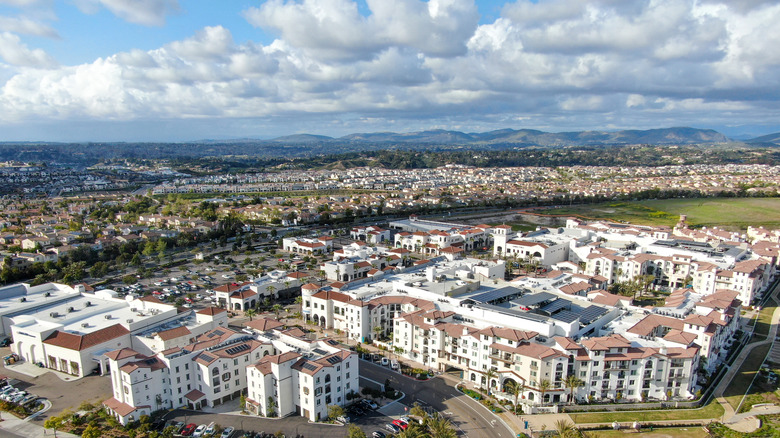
(82, 342)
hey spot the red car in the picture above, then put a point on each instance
(400, 423)
(188, 429)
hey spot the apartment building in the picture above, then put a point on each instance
(303, 381)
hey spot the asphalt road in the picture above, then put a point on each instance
(471, 418)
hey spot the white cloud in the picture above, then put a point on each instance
(13, 51)
(558, 63)
(26, 26)
(334, 29)
(144, 12)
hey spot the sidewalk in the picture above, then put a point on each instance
(28, 429)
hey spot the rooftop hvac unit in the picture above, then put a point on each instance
(22, 299)
(85, 324)
(88, 303)
(47, 294)
(129, 320)
(107, 317)
(70, 309)
(54, 314)
(133, 309)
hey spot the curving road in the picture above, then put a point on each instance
(468, 415)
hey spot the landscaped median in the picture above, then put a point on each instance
(712, 410)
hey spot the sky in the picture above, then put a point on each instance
(186, 70)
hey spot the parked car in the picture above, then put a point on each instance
(189, 429)
(394, 364)
(370, 404)
(210, 429)
(227, 432)
(392, 428)
(378, 434)
(199, 431)
(344, 419)
(401, 424)
(384, 362)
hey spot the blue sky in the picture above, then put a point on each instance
(178, 70)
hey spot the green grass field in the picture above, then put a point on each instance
(744, 377)
(764, 322)
(731, 213)
(711, 410)
(659, 432)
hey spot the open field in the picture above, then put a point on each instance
(711, 410)
(744, 377)
(731, 213)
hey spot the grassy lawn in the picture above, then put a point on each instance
(712, 410)
(665, 432)
(764, 322)
(733, 213)
(744, 376)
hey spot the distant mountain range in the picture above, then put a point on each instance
(766, 139)
(307, 145)
(524, 137)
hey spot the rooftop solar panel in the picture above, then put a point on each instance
(206, 357)
(497, 294)
(309, 366)
(555, 306)
(534, 299)
(319, 351)
(565, 316)
(592, 313)
(333, 360)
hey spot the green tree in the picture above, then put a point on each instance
(250, 313)
(440, 427)
(277, 309)
(92, 432)
(544, 386)
(490, 374)
(54, 422)
(572, 382)
(515, 390)
(129, 279)
(335, 411)
(354, 431)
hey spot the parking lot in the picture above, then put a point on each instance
(62, 394)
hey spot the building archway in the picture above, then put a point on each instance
(507, 383)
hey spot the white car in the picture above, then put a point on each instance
(394, 364)
(227, 432)
(199, 431)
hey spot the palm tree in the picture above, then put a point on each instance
(490, 374)
(271, 289)
(544, 386)
(515, 389)
(572, 382)
(566, 429)
(439, 427)
(250, 313)
(378, 331)
(277, 308)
